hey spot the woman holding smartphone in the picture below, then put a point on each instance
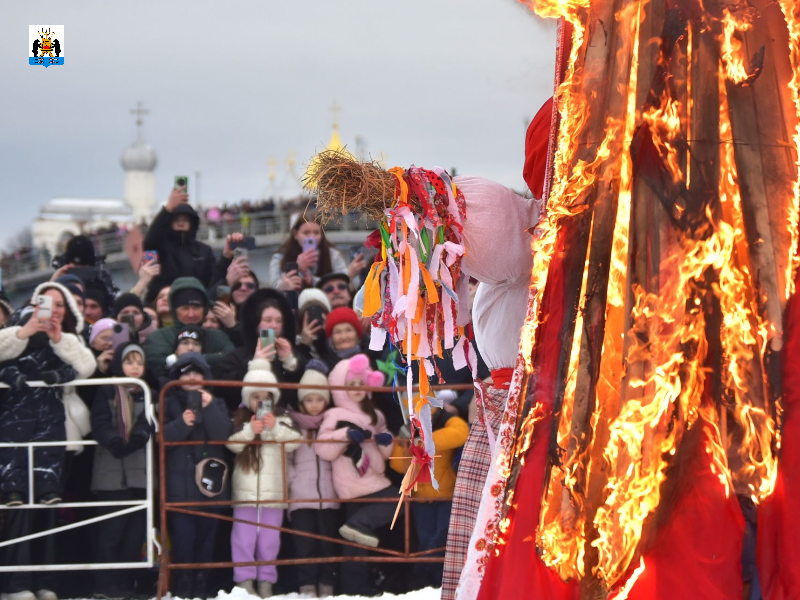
(267, 327)
(42, 343)
(306, 256)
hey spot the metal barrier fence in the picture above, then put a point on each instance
(386, 555)
(128, 506)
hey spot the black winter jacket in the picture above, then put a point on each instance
(179, 253)
(181, 460)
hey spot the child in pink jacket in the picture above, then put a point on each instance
(359, 463)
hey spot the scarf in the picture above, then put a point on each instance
(305, 421)
(124, 408)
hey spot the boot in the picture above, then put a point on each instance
(265, 589)
(201, 585)
(308, 590)
(324, 590)
(247, 586)
(182, 584)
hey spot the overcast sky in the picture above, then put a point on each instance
(231, 84)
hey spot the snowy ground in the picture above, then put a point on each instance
(426, 594)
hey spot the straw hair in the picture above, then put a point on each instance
(343, 184)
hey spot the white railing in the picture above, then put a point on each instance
(128, 506)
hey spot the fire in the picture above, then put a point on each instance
(791, 13)
(684, 339)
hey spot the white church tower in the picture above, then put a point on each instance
(139, 160)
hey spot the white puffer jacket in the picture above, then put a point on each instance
(267, 483)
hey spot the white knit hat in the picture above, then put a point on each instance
(309, 295)
(313, 377)
(259, 371)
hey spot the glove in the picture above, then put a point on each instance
(51, 377)
(383, 439)
(137, 442)
(356, 435)
(117, 447)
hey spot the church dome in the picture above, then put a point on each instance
(139, 156)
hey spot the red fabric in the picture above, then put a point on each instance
(517, 571)
(536, 142)
(501, 378)
(779, 516)
(697, 552)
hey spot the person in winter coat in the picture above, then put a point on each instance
(192, 414)
(189, 304)
(173, 235)
(344, 332)
(50, 350)
(358, 463)
(119, 472)
(264, 309)
(131, 304)
(258, 476)
(431, 519)
(293, 268)
(311, 477)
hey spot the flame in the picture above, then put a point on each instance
(731, 46)
(791, 13)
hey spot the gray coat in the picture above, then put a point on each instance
(110, 473)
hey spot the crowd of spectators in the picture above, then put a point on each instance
(194, 316)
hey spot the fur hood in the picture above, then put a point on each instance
(249, 316)
(71, 305)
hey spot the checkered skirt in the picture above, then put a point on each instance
(472, 471)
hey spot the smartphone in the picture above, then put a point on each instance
(150, 255)
(182, 181)
(248, 242)
(129, 320)
(239, 252)
(45, 304)
(290, 266)
(224, 293)
(265, 407)
(316, 313)
(194, 402)
(267, 337)
(309, 243)
(121, 334)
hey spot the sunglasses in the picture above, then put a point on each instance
(334, 286)
(247, 285)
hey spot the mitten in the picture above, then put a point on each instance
(383, 439)
(117, 447)
(356, 435)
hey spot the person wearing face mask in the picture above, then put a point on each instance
(189, 304)
(173, 235)
(296, 266)
(359, 464)
(264, 310)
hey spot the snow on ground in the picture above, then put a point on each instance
(426, 594)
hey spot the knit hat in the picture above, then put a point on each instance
(188, 296)
(125, 300)
(80, 251)
(259, 371)
(342, 315)
(192, 332)
(70, 279)
(190, 361)
(359, 369)
(97, 294)
(309, 295)
(313, 377)
(99, 327)
(73, 284)
(120, 352)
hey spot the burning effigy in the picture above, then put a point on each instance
(643, 437)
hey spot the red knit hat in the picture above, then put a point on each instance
(342, 315)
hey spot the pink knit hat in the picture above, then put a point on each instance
(359, 369)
